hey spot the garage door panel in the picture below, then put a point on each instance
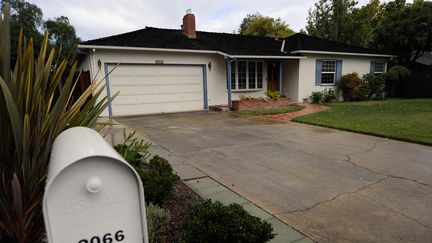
(149, 99)
(171, 98)
(149, 89)
(192, 88)
(169, 80)
(185, 71)
(125, 81)
(147, 80)
(191, 80)
(146, 71)
(125, 109)
(122, 71)
(169, 71)
(125, 100)
(124, 90)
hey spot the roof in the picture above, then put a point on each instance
(231, 44)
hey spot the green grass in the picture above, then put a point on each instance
(271, 111)
(407, 120)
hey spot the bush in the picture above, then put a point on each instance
(158, 180)
(328, 95)
(158, 223)
(133, 151)
(394, 79)
(350, 85)
(274, 95)
(213, 222)
(374, 85)
(316, 97)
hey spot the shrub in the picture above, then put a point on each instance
(213, 222)
(316, 97)
(350, 85)
(374, 85)
(158, 223)
(274, 95)
(36, 105)
(134, 151)
(328, 95)
(394, 79)
(158, 180)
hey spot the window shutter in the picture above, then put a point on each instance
(318, 72)
(338, 71)
(372, 67)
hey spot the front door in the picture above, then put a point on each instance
(272, 76)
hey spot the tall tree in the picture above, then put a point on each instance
(28, 17)
(62, 35)
(258, 25)
(329, 19)
(406, 30)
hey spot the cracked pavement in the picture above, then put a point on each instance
(331, 185)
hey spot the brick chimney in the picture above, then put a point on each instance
(188, 25)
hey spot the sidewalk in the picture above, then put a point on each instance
(209, 188)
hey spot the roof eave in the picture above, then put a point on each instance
(81, 46)
(342, 53)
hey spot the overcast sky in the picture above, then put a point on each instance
(99, 18)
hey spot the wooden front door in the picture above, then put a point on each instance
(273, 76)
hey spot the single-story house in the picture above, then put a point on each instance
(173, 70)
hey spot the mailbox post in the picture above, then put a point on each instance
(92, 194)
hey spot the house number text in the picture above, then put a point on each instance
(107, 238)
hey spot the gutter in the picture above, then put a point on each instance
(342, 53)
(184, 51)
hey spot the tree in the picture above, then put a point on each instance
(258, 25)
(62, 34)
(406, 30)
(26, 16)
(330, 18)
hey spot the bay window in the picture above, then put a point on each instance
(246, 75)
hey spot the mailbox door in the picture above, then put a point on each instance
(95, 200)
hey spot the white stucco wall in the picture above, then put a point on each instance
(216, 76)
(350, 64)
(290, 79)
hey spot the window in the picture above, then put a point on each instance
(378, 68)
(246, 75)
(328, 72)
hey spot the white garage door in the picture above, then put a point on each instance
(150, 89)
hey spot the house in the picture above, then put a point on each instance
(167, 70)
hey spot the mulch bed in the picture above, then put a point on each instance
(177, 205)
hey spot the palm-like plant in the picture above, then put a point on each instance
(35, 106)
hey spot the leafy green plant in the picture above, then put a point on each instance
(158, 179)
(134, 151)
(328, 95)
(36, 105)
(158, 223)
(213, 222)
(316, 97)
(274, 95)
(350, 85)
(395, 78)
(374, 85)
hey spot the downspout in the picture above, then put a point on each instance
(280, 77)
(283, 47)
(228, 70)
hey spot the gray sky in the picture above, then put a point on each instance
(99, 18)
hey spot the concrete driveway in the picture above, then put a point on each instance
(333, 186)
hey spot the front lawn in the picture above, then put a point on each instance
(407, 120)
(271, 111)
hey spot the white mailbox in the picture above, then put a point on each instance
(92, 194)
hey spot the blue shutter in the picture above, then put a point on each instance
(372, 67)
(318, 72)
(338, 71)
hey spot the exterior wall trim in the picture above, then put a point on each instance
(341, 53)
